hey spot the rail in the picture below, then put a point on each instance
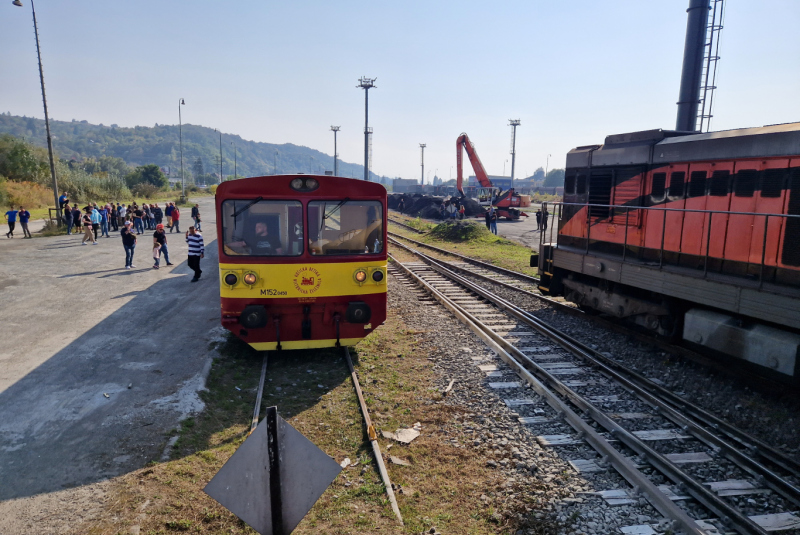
(612, 210)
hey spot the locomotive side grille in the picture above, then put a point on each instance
(745, 184)
(772, 182)
(676, 184)
(697, 184)
(720, 181)
(791, 240)
(581, 188)
(600, 193)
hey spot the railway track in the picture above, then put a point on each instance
(701, 474)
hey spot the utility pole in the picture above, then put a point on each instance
(180, 137)
(335, 153)
(514, 123)
(235, 175)
(276, 163)
(422, 163)
(366, 84)
(18, 3)
(220, 156)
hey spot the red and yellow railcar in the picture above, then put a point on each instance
(302, 260)
(692, 235)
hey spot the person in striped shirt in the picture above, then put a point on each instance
(196, 251)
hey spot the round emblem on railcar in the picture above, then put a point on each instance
(307, 280)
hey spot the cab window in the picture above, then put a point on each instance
(259, 227)
(345, 227)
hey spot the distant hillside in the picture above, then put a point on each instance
(159, 145)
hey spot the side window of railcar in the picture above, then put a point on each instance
(697, 184)
(772, 182)
(676, 184)
(745, 183)
(569, 182)
(659, 188)
(345, 227)
(262, 228)
(720, 181)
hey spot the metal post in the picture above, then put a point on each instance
(235, 173)
(273, 449)
(46, 115)
(221, 179)
(422, 163)
(625, 245)
(180, 138)
(366, 83)
(708, 243)
(514, 124)
(763, 254)
(276, 162)
(335, 152)
(663, 233)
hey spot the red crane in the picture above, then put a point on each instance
(507, 202)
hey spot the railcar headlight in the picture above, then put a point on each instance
(360, 276)
(250, 278)
(312, 183)
(231, 279)
(377, 275)
(296, 184)
(304, 184)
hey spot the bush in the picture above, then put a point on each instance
(459, 231)
(28, 194)
(3, 191)
(148, 191)
(213, 189)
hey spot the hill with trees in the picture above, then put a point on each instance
(142, 145)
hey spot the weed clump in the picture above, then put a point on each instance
(459, 231)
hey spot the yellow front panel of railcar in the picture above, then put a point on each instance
(302, 280)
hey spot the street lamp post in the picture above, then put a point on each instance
(335, 130)
(235, 174)
(276, 162)
(422, 163)
(514, 123)
(366, 84)
(220, 155)
(180, 141)
(18, 3)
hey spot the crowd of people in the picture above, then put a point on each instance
(132, 220)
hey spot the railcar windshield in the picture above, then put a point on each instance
(345, 227)
(258, 227)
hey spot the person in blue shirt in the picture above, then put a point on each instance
(11, 218)
(103, 221)
(24, 216)
(63, 200)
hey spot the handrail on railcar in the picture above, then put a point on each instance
(558, 213)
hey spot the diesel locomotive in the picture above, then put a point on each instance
(689, 235)
(302, 260)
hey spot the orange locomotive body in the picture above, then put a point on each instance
(691, 235)
(302, 260)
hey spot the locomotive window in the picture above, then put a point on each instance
(345, 227)
(659, 187)
(697, 184)
(262, 228)
(569, 183)
(580, 189)
(676, 184)
(772, 182)
(719, 183)
(745, 184)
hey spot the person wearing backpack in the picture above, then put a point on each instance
(176, 220)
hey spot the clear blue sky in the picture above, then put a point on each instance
(573, 71)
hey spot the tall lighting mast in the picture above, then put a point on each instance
(422, 163)
(514, 123)
(366, 84)
(335, 153)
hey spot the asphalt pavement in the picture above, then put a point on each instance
(98, 363)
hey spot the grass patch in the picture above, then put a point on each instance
(473, 239)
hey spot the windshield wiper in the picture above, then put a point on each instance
(333, 211)
(245, 207)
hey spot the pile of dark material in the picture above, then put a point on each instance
(427, 206)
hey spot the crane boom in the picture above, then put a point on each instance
(463, 142)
